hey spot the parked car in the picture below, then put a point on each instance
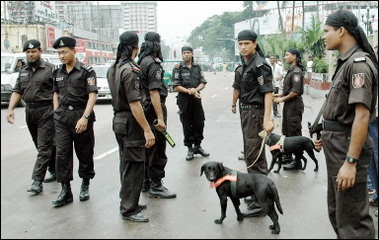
(104, 93)
(168, 66)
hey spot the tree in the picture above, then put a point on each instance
(312, 38)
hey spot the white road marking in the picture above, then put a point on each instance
(106, 153)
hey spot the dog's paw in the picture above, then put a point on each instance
(316, 170)
(240, 217)
(274, 230)
(277, 171)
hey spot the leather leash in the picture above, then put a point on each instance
(263, 135)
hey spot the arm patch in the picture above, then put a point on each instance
(360, 59)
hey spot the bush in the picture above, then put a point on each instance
(320, 66)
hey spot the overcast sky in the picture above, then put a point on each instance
(178, 18)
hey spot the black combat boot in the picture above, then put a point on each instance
(200, 150)
(84, 190)
(36, 187)
(65, 196)
(157, 190)
(146, 185)
(190, 153)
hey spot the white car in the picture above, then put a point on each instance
(104, 93)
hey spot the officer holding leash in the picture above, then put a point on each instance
(75, 93)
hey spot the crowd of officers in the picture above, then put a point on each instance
(62, 98)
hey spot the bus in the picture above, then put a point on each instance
(93, 52)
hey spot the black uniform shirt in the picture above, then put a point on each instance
(355, 81)
(293, 81)
(38, 85)
(124, 83)
(152, 77)
(188, 77)
(256, 80)
(74, 87)
(237, 77)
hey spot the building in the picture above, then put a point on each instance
(140, 16)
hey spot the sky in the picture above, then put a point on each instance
(176, 19)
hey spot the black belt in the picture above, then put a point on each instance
(73, 107)
(39, 104)
(251, 106)
(334, 126)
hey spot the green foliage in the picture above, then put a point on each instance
(312, 38)
(320, 66)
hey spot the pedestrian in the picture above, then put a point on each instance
(256, 103)
(236, 98)
(349, 108)
(293, 107)
(75, 93)
(277, 72)
(150, 60)
(188, 82)
(34, 85)
(132, 131)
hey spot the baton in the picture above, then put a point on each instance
(166, 135)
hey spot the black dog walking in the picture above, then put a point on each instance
(236, 185)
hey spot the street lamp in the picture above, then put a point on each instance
(367, 20)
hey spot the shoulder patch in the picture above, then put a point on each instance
(358, 80)
(296, 78)
(360, 59)
(87, 67)
(259, 65)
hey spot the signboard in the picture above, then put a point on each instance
(46, 10)
(81, 53)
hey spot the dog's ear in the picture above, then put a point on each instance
(221, 166)
(201, 170)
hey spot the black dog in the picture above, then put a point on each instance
(296, 145)
(246, 184)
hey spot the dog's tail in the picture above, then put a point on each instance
(275, 195)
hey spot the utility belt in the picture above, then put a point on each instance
(245, 107)
(39, 104)
(72, 107)
(334, 126)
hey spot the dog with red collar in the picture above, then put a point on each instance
(236, 185)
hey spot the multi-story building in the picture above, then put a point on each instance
(140, 16)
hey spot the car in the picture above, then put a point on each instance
(104, 92)
(168, 66)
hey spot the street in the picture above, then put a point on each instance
(191, 214)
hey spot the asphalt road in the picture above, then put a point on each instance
(191, 214)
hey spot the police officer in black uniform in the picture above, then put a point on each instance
(350, 107)
(35, 86)
(75, 93)
(293, 109)
(150, 60)
(131, 128)
(188, 82)
(256, 104)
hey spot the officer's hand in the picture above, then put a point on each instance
(81, 125)
(10, 117)
(318, 144)
(346, 176)
(197, 95)
(234, 109)
(150, 139)
(268, 126)
(160, 125)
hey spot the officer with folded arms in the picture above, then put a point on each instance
(75, 93)
(35, 86)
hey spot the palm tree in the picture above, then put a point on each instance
(312, 38)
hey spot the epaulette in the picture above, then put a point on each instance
(360, 59)
(136, 69)
(56, 67)
(87, 67)
(259, 65)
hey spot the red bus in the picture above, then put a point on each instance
(93, 52)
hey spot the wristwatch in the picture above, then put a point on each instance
(351, 160)
(86, 116)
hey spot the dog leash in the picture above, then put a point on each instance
(263, 135)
